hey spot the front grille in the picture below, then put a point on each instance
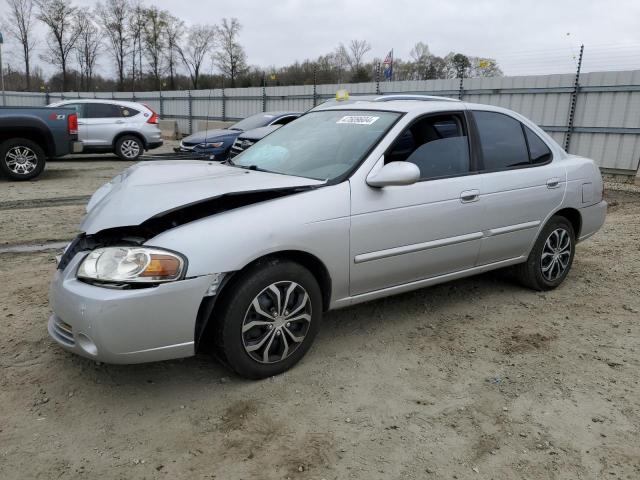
(63, 332)
(240, 146)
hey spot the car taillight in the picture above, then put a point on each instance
(72, 124)
(154, 116)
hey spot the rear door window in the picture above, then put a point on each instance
(502, 140)
(102, 110)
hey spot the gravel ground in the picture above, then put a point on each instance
(474, 379)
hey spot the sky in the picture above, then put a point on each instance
(525, 36)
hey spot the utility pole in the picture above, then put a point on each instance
(4, 100)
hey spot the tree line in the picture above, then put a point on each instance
(148, 48)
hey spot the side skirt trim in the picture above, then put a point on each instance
(406, 287)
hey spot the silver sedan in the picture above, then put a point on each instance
(353, 201)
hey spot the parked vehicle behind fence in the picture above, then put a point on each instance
(351, 202)
(30, 135)
(124, 128)
(218, 142)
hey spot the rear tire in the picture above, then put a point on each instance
(269, 319)
(129, 148)
(21, 159)
(551, 256)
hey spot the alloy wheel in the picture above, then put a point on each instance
(556, 254)
(277, 321)
(130, 148)
(21, 160)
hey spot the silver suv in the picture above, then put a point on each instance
(124, 128)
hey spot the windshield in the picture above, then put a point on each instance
(321, 145)
(254, 121)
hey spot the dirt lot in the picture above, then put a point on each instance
(474, 379)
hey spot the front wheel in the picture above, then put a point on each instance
(129, 147)
(270, 318)
(551, 257)
(21, 159)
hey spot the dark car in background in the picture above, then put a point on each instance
(218, 142)
(248, 138)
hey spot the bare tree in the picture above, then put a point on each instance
(87, 48)
(136, 24)
(356, 53)
(154, 41)
(173, 31)
(20, 26)
(230, 58)
(196, 49)
(60, 18)
(113, 17)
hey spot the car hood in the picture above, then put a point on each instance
(210, 136)
(147, 190)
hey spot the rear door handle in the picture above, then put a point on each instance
(553, 182)
(469, 196)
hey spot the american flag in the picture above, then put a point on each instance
(388, 65)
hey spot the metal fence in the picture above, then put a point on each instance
(594, 114)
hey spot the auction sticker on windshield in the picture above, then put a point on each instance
(358, 119)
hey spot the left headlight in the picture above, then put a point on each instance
(132, 265)
(211, 145)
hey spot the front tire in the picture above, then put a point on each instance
(551, 257)
(129, 148)
(269, 319)
(21, 159)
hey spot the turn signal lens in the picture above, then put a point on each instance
(162, 266)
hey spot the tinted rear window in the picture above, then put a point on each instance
(502, 139)
(102, 110)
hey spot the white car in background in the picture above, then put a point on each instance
(124, 128)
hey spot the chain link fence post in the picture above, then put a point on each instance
(190, 110)
(224, 105)
(315, 85)
(574, 100)
(264, 93)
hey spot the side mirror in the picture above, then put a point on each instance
(394, 173)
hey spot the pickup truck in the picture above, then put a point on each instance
(30, 135)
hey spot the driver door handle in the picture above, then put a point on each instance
(553, 182)
(469, 196)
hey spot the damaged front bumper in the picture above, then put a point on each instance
(125, 325)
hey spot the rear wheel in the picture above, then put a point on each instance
(21, 159)
(551, 257)
(129, 147)
(270, 319)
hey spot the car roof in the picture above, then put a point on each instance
(410, 103)
(108, 101)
